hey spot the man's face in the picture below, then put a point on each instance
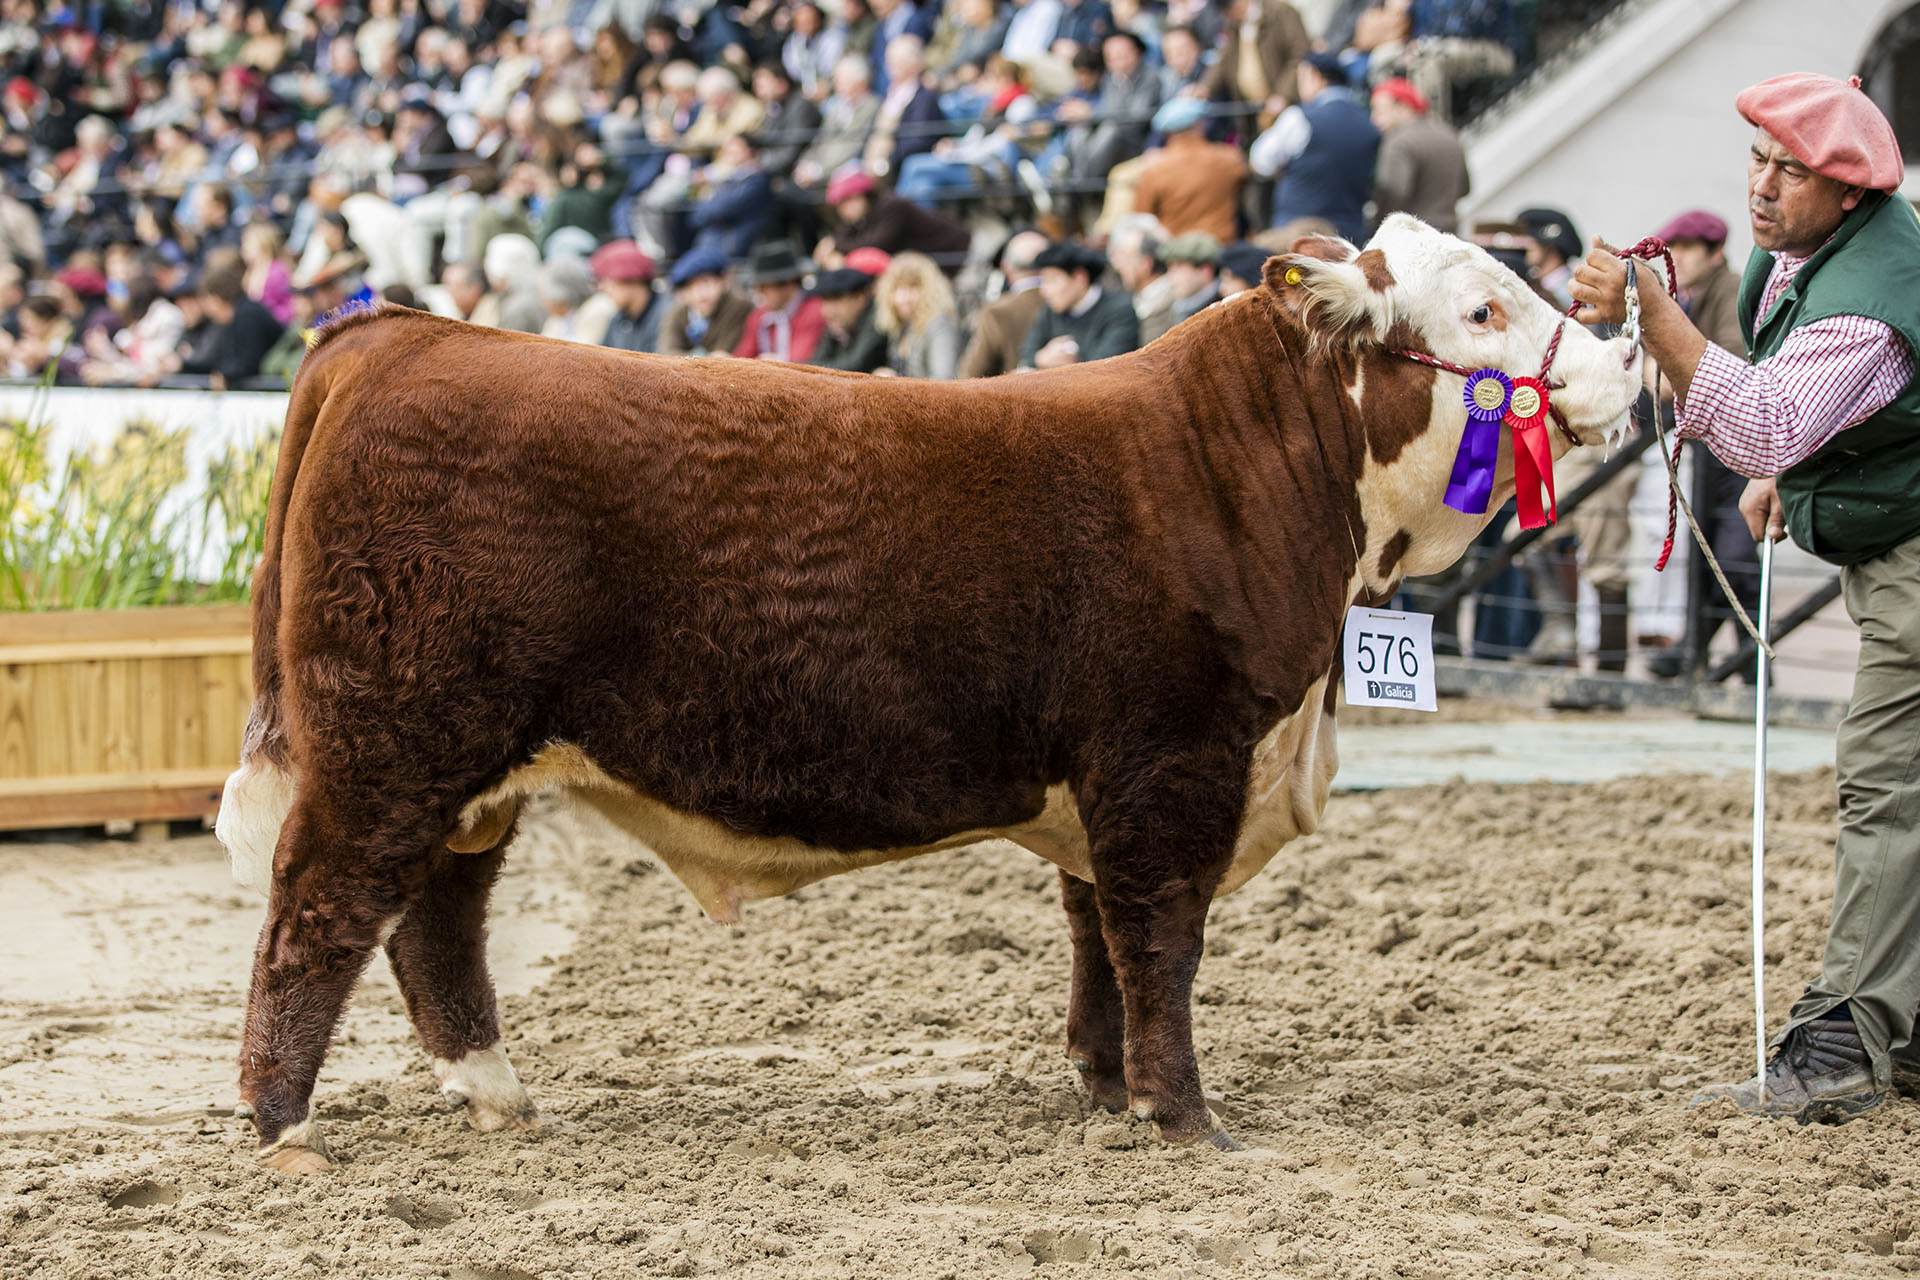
(852, 209)
(1542, 260)
(218, 310)
(844, 311)
(1181, 52)
(703, 293)
(774, 297)
(1062, 289)
(1389, 113)
(1188, 278)
(628, 295)
(466, 290)
(1792, 208)
(1133, 267)
(1123, 57)
(1693, 259)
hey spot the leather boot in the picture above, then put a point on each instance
(1613, 629)
(1555, 643)
(1820, 1072)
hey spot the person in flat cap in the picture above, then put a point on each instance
(708, 317)
(1081, 321)
(1190, 184)
(851, 341)
(1823, 413)
(1193, 264)
(1321, 149)
(624, 273)
(1553, 251)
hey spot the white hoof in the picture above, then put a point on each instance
(298, 1150)
(483, 1082)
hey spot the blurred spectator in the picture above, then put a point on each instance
(882, 220)
(512, 300)
(1191, 184)
(785, 323)
(1192, 263)
(896, 18)
(566, 289)
(625, 274)
(850, 340)
(1084, 24)
(1261, 44)
(268, 281)
(1438, 44)
(1031, 29)
(1422, 168)
(706, 317)
(1082, 321)
(915, 309)
(1133, 251)
(1183, 67)
(1322, 150)
(1553, 250)
(462, 285)
(980, 30)
(1241, 267)
(1115, 125)
(989, 151)
(1000, 328)
(732, 204)
(150, 329)
(242, 330)
(811, 50)
(788, 121)
(909, 120)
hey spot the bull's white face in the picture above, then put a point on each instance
(1420, 289)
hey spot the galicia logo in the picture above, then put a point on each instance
(1390, 689)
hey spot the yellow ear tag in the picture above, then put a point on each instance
(1293, 275)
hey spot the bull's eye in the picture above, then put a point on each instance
(1482, 313)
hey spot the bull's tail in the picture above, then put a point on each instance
(258, 794)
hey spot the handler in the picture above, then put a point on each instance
(1830, 309)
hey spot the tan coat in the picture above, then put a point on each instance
(1193, 185)
(998, 331)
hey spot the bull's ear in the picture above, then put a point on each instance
(1329, 248)
(1334, 298)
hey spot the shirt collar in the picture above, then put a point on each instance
(1085, 304)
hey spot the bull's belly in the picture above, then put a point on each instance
(1287, 788)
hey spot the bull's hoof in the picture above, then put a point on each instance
(482, 1082)
(1209, 1132)
(1108, 1089)
(299, 1150)
(483, 1118)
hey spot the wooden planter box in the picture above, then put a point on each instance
(123, 715)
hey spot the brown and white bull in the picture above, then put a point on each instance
(781, 623)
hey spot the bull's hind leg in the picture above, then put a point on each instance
(344, 871)
(1158, 854)
(1096, 1023)
(439, 957)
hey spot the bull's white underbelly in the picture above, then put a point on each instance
(1287, 789)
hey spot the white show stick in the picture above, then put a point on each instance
(1760, 819)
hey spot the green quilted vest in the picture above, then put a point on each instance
(1859, 495)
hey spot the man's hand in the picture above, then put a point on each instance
(1600, 284)
(1057, 353)
(1760, 504)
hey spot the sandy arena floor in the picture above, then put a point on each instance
(1456, 1032)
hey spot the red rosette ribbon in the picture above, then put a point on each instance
(1532, 452)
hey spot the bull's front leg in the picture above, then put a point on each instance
(1096, 1022)
(1157, 859)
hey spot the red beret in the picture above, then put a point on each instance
(870, 260)
(621, 260)
(1695, 224)
(84, 281)
(1829, 125)
(848, 185)
(1401, 90)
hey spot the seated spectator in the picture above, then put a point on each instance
(1422, 168)
(625, 274)
(243, 330)
(1116, 124)
(1190, 184)
(268, 281)
(150, 329)
(893, 19)
(1192, 263)
(707, 317)
(734, 201)
(785, 323)
(981, 29)
(1242, 267)
(566, 288)
(589, 185)
(850, 341)
(1031, 29)
(882, 220)
(1184, 66)
(909, 120)
(1082, 321)
(462, 285)
(512, 301)
(45, 332)
(915, 310)
(1133, 252)
(1262, 42)
(789, 119)
(811, 50)
(1000, 328)
(1083, 25)
(1321, 150)
(989, 152)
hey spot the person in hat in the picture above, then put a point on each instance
(1321, 151)
(869, 217)
(1709, 294)
(1422, 168)
(1192, 262)
(1826, 418)
(1000, 328)
(707, 317)
(851, 341)
(1241, 267)
(1553, 250)
(785, 323)
(1190, 184)
(625, 276)
(1082, 321)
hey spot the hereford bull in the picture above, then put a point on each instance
(780, 623)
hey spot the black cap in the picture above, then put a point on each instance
(841, 282)
(1553, 229)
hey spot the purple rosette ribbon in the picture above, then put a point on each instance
(1488, 393)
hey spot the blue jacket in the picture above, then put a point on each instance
(733, 217)
(1333, 177)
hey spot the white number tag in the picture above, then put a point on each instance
(1389, 659)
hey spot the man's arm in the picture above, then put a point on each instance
(1282, 144)
(1600, 285)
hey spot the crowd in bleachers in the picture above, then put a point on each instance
(190, 183)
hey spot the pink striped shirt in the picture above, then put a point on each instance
(1762, 418)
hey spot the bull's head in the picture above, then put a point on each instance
(1418, 289)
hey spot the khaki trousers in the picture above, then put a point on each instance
(1873, 937)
